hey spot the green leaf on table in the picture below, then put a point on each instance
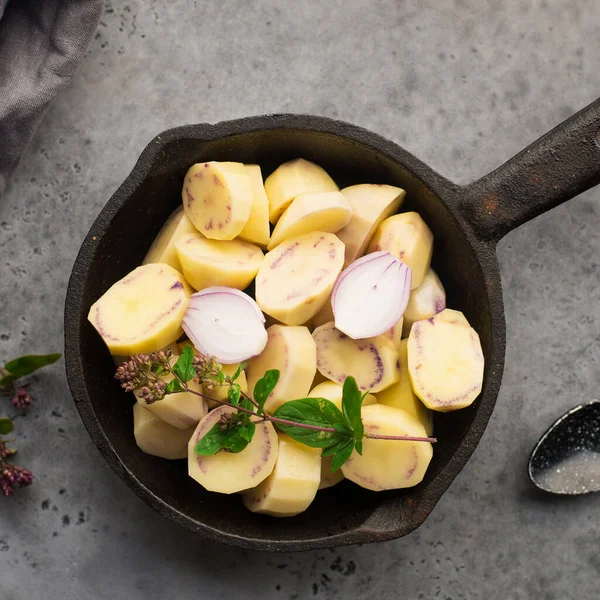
(173, 387)
(25, 365)
(342, 455)
(315, 412)
(239, 370)
(233, 393)
(6, 426)
(352, 401)
(184, 367)
(264, 386)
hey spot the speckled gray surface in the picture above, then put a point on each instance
(463, 85)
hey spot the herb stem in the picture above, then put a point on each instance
(403, 438)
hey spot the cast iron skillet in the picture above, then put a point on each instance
(467, 222)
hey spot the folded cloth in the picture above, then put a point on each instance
(41, 44)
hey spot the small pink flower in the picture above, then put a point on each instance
(22, 399)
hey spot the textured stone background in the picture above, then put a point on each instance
(463, 84)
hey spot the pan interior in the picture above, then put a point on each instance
(122, 246)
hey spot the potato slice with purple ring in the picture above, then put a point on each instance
(293, 484)
(445, 362)
(425, 301)
(154, 436)
(371, 204)
(163, 247)
(226, 472)
(389, 464)
(256, 230)
(143, 311)
(373, 362)
(291, 179)
(213, 263)
(296, 278)
(320, 211)
(217, 199)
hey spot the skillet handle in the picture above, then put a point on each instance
(560, 165)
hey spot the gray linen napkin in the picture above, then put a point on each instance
(41, 45)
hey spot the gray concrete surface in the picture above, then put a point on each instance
(464, 85)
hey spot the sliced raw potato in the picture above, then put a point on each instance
(452, 316)
(394, 334)
(296, 278)
(291, 179)
(401, 395)
(154, 436)
(293, 352)
(182, 410)
(332, 391)
(389, 464)
(257, 230)
(163, 247)
(407, 237)
(292, 485)
(220, 391)
(425, 301)
(226, 472)
(318, 211)
(217, 199)
(445, 363)
(143, 311)
(329, 477)
(373, 362)
(371, 204)
(208, 263)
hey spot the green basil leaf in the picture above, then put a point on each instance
(343, 427)
(173, 387)
(234, 441)
(247, 404)
(358, 446)
(211, 443)
(233, 393)
(333, 449)
(184, 367)
(221, 376)
(239, 370)
(6, 426)
(264, 386)
(25, 365)
(342, 455)
(317, 412)
(247, 430)
(352, 401)
(6, 381)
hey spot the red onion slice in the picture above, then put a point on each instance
(371, 295)
(225, 323)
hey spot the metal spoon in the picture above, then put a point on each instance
(566, 460)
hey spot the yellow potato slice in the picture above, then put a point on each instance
(389, 464)
(291, 179)
(394, 334)
(329, 477)
(445, 362)
(407, 237)
(425, 301)
(208, 263)
(182, 410)
(291, 350)
(256, 230)
(373, 362)
(217, 199)
(143, 311)
(226, 472)
(319, 211)
(452, 316)
(163, 247)
(401, 395)
(293, 484)
(371, 204)
(296, 278)
(154, 436)
(220, 391)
